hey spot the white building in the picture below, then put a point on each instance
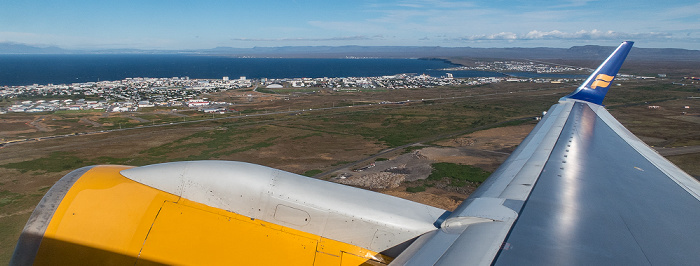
(197, 103)
(145, 104)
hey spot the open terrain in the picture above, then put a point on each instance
(465, 132)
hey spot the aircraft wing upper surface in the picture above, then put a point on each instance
(579, 190)
(603, 197)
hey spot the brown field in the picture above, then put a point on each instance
(306, 141)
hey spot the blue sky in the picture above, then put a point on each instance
(201, 24)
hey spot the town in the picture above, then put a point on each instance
(530, 66)
(130, 94)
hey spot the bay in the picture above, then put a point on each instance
(16, 70)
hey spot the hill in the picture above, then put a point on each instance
(594, 52)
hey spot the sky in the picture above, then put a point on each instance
(204, 24)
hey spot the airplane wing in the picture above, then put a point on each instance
(580, 189)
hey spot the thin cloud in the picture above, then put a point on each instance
(423, 4)
(575, 3)
(592, 35)
(24, 38)
(689, 11)
(497, 36)
(559, 35)
(360, 28)
(342, 38)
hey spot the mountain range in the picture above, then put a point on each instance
(573, 53)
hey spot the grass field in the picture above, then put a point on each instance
(450, 174)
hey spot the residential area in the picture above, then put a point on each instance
(130, 94)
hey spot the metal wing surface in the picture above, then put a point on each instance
(579, 190)
(604, 197)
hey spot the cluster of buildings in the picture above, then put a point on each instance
(122, 106)
(400, 81)
(519, 66)
(118, 96)
(131, 94)
(130, 89)
(55, 105)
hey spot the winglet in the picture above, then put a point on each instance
(596, 86)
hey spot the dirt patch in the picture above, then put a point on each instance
(18, 126)
(379, 180)
(87, 121)
(27, 183)
(484, 149)
(291, 150)
(416, 166)
(652, 141)
(432, 196)
(486, 159)
(410, 166)
(495, 139)
(39, 125)
(687, 118)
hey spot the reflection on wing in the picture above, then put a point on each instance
(580, 189)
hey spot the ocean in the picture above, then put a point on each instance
(18, 70)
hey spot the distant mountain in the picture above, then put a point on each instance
(590, 52)
(17, 48)
(669, 54)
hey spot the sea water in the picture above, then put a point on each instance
(16, 70)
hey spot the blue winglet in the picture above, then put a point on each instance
(596, 86)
